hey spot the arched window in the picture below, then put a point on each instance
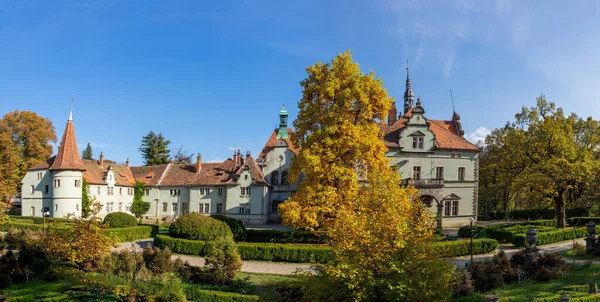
(274, 178)
(284, 178)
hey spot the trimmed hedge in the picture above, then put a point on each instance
(237, 226)
(133, 233)
(203, 295)
(120, 220)
(310, 253)
(284, 252)
(582, 221)
(551, 237)
(196, 226)
(447, 249)
(465, 231)
(537, 214)
(273, 236)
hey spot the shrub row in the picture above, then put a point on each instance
(249, 251)
(536, 214)
(195, 294)
(120, 220)
(308, 253)
(551, 237)
(581, 221)
(133, 233)
(283, 236)
(465, 231)
(448, 249)
(505, 234)
(284, 252)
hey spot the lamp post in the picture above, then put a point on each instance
(45, 214)
(471, 220)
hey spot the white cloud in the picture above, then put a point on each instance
(216, 160)
(479, 135)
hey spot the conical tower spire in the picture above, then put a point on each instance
(68, 156)
(409, 97)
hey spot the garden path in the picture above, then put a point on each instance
(284, 268)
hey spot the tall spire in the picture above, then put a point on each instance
(71, 111)
(283, 131)
(409, 97)
(68, 156)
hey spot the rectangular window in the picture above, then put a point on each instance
(147, 191)
(76, 207)
(175, 209)
(99, 190)
(165, 207)
(454, 207)
(120, 207)
(57, 183)
(39, 176)
(32, 189)
(447, 207)
(32, 211)
(220, 191)
(416, 172)
(55, 207)
(244, 209)
(207, 208)
(120, 191)
(201, 208)
(219, 208)
(274, 207)
(461, 173)
(242, 191)
(439, 172)
(77, 183)
(418, 142)
(46, 189)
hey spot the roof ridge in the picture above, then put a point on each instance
(160, 179)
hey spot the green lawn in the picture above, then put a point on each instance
(526, 291)
(262, 285)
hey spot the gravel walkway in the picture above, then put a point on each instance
(284, 268)
(267, 267)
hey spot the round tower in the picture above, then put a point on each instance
(67, 175)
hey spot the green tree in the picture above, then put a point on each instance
(558, 155)
(223, 261)
(87, 153)
(25, 140)
(379, 230)
(85, 200)
(139, 207)
(155, 149)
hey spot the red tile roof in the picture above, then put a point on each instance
(446, 136)
(68, 156)
(96, 174)
(211, 174)
(270, 145)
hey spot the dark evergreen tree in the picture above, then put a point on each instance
(155, 149)
(87, 153)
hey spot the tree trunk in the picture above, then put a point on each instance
(561, 211)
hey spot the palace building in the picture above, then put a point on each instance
(432, 155)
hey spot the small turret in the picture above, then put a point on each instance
(409, 97)
(283, 131)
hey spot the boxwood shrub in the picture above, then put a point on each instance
(133, 233)
(196, 226)
(448, 249)
(182, 246)
(237, 226)
(120, 220)
(196, 294)
(581, 221)
(274, 236)
(551, 237)
(284, 252)
(537, 214)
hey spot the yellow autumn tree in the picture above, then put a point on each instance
(81, 242)
(379, 230)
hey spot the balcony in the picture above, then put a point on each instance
(424, 183)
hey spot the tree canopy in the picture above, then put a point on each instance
(139, 207)
(182, 157)
(87, 153)
(25, 140)
(377, 228)
(155, 149)
(544, 158)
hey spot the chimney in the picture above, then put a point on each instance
(239, 158)
(101, 160)
(171, 161)
(198, 163)
(127, 163)
(247, 155)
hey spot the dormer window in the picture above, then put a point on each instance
(418, 142)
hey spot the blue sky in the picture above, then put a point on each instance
(214, 75)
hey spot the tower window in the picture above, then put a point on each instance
(284, 178)
(274, 178)
(416, 172)
(220, 191)
(32, 189)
